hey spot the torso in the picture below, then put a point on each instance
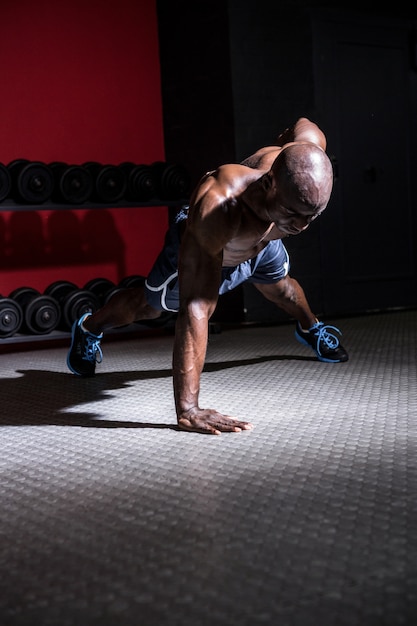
(250, 239)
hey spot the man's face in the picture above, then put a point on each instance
(290, 214)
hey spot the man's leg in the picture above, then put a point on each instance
(289, 296)
(124, 307)
(159, 293)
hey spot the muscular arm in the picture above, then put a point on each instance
(199, 276)
(200, 267)
(303, 130)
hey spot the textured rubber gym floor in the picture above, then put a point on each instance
(110, 516)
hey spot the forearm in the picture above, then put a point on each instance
(190, 345)
(188, 362)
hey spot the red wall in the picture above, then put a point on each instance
(80, 82)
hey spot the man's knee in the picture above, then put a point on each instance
(139, 304)
(285, 289)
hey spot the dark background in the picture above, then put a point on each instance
(235, 73)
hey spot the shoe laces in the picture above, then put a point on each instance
(92, 349)
(321, 331)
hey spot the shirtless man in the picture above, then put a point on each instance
(231, 233)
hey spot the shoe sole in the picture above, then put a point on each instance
(320, 358)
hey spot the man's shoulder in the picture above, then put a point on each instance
(231, 170)
(217, 199)
(235, 175)
(263, 158)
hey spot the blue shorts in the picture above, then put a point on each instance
(161, 285)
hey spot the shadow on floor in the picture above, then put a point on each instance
(27, 401)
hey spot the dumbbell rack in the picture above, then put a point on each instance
(57, 335)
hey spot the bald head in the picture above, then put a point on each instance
(304, 173)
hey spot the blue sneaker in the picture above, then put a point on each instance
(324, 343)
(85, 350)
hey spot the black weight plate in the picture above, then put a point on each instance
(42, 315)
(110, 184)
(172, 181)
(141, 183)
(15, 166)
(57, 164)
(11, 317)
(127, 167)
(99, 284)
(77, 304)
(75, 185)
(100, 287)
(5, 182)
(175, 183)
(93, 167)
(59, 289)
(111, 293)
(57, 167)
(35, 183)
(135, 280)
(23, 295)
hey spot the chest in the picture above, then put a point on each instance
(251, 237)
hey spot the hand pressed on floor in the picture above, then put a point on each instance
(211, 422)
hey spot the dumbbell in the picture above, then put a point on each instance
(5, 182)
(109, 182)
(133, 280)
(32, 181)
(136, 280)
(41, 313)
(102, 288)
(11, 317)
(73, 302)
(73, 184)
(141, 183)
(172, 181)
